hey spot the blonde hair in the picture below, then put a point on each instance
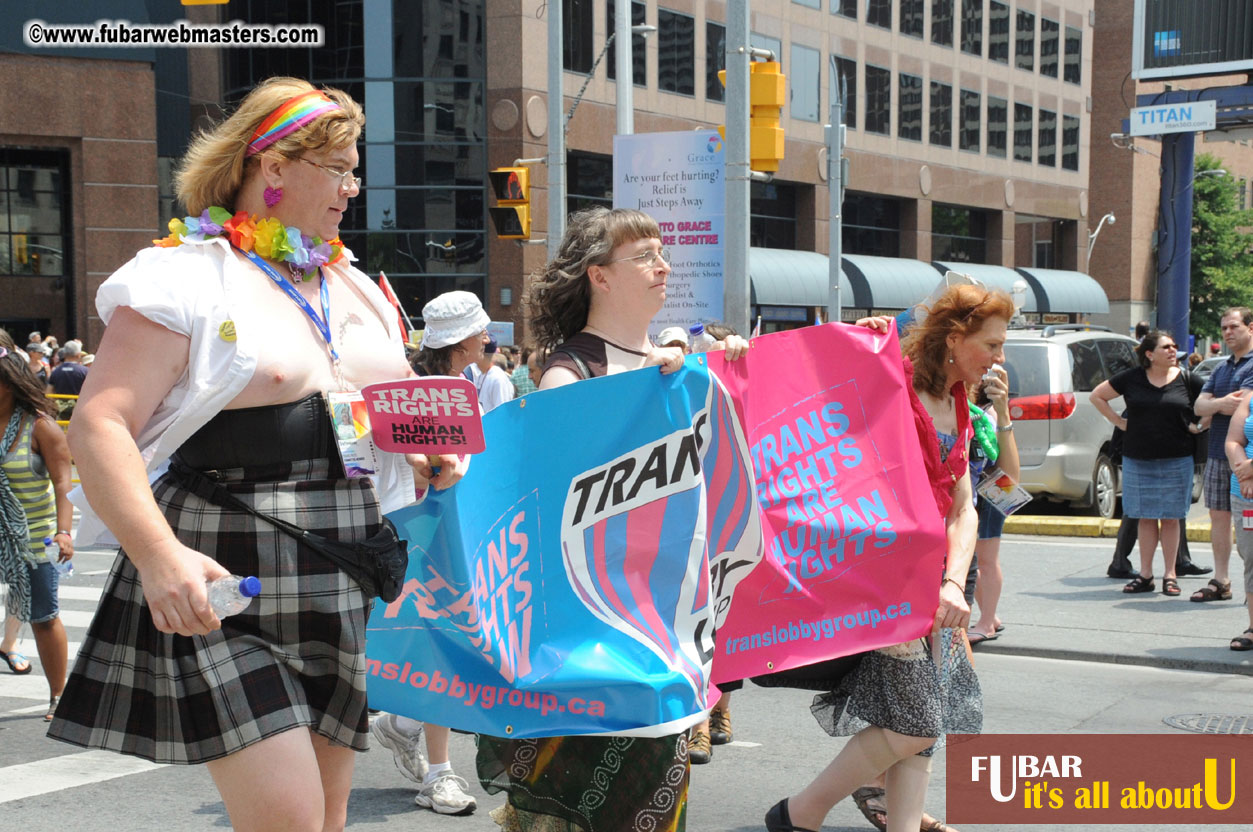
(217, 162)
(559, 296)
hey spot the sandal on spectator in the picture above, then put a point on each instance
(1240, 642)
(1170, 587)
(18, 663)
(870, 803)
(930, 824)
(1215, 590)
(1140, 584)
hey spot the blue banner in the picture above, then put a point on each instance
(564, 585)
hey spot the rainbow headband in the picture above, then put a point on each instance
(289, 117)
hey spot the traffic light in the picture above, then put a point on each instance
(766, 90)
(767, 87)
(512, 216)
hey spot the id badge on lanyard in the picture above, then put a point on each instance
(1247, 519)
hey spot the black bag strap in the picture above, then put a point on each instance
(213, 492)
(585, 372)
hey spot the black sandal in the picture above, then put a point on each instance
(1140, 584)
(1242, 641)
(1170, 587)
(778, 820)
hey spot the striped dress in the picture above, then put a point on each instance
(28, 477)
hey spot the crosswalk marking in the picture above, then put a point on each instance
(66, 772)
(68, 592)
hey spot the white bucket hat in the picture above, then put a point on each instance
(451, 318)
(671, 334)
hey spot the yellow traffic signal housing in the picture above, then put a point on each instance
(767, 88)
(512, 216)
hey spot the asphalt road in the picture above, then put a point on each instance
(45, 785)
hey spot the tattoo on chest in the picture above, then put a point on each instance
(350, 318)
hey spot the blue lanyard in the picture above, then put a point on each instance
(322, 324)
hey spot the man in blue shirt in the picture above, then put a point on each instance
(1222, 394)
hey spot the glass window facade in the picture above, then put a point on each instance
(998, 31)
(1050, 47)
(1046, 151)
(639, 69)
(879, 13)
(813, 4)
(844, 8)
(846, 69)
(958, 234)
(941, 131)
(1071, 71)
(422, 214)
(971, 120)
(1024, 42)
(772, 215)
(972, 27)
(34, 214)
(909, 113)
(872, 225)
(589, 181)
(805, 83)
(998, 126)
(676, 53)
(878, 100)
(942, 22)
(715, 60)
(1070, 142)
(577, 50)
(912, 18)
(1022, 132)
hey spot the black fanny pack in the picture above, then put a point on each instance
(378, 563)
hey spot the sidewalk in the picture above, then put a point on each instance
(1058, 603)
(1198, 528)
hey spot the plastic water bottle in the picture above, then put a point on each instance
(701, 340)
(52, 552)
(232, 594)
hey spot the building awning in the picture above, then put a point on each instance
(782, 277)
(1059, 290)
(888, 282)
(996, 277)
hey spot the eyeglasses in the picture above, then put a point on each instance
(1167, 347)
(648, 258)
(346, 180)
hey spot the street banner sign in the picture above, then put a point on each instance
(677, 178)
(1189, 117)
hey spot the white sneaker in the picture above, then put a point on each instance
(447, 796)
(406, 748)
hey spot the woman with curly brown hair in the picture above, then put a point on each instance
(590, 309)
(897, 701)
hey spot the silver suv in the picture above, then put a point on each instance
(1063, 442)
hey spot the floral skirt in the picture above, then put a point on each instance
(587, 784)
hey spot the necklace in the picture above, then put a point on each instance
(303, 255)
(604, 336)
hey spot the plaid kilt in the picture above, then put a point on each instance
(294, 657)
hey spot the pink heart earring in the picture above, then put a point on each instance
(272, 196)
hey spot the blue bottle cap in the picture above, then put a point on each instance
(696, 329)
(47, 541)
(250, 587)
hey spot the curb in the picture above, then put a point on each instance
(1164, 662)
(1085, 527)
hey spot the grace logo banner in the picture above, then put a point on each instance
(562, 587)
(854, 544)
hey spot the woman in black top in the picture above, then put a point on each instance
(1157, 451)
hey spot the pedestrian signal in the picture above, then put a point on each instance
(512, 216)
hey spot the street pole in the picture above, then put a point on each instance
(556, 134)
(835, 188)
(735, 263)
(623, 67)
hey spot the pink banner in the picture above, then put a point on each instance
(854, 544)
(431, 415)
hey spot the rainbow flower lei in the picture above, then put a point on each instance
(267, 237)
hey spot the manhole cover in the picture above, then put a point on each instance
(1212, 723)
